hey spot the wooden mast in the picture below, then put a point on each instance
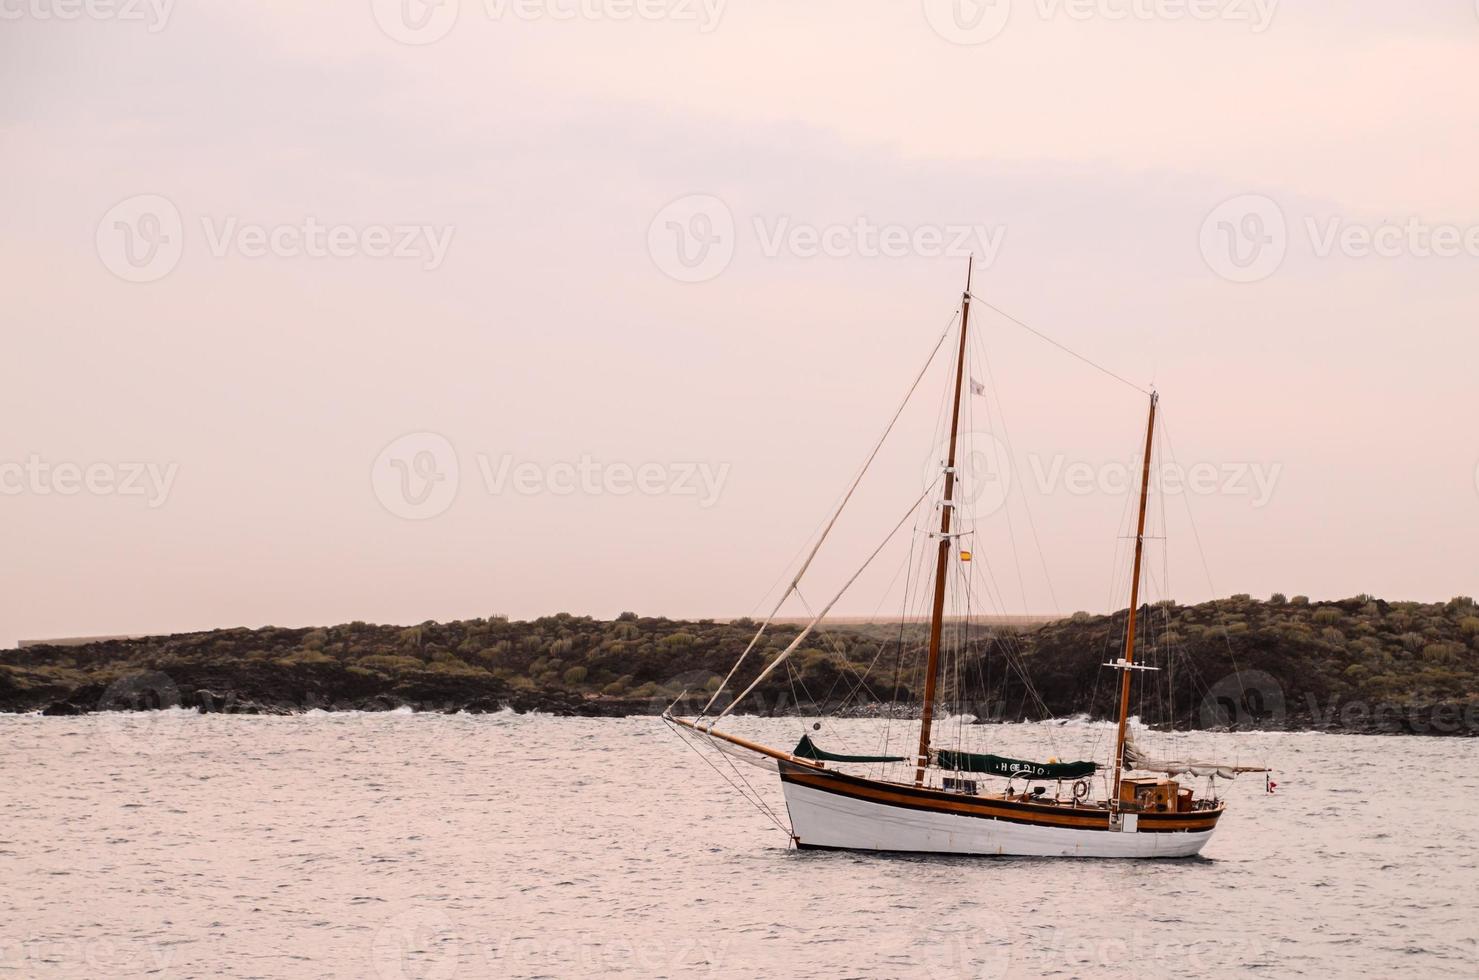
(942, 563)
(1127, 661)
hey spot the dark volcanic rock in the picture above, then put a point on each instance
(1352, 665)
(59, 708)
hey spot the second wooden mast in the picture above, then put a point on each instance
(1127, 660)
(942, 563)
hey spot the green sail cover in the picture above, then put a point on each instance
(807, 749)
(1000, 766)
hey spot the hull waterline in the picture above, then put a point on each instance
(849, 813)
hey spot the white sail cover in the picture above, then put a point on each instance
(1137, 759)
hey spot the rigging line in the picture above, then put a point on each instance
(1001, 414)
(1167, 632)
(795, 678)
(827, 608)
(1026, 505)
(759, 805)
(899, 659)
(786, 594)
(1011, 653)
(730, 759)
(1119, 576)
(1206, 569)
(882, 644)
(759, 801)
(913, 605)
(1064, 349)
(844, 666)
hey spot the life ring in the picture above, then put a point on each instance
(1081, 789)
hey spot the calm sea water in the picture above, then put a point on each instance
(428, 846)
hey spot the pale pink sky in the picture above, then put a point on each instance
(520, 162)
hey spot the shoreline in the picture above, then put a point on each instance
(1433, 721)
(1357, 665)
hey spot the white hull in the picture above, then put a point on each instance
(822, 819)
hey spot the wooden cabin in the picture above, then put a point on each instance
(1154, 794)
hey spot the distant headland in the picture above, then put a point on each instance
(1356, 665)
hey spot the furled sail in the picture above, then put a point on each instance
(1135, 758)
(997, 765)
(807, 749)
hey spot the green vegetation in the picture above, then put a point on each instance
(1314, 657)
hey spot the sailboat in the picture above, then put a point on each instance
(931, 803)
